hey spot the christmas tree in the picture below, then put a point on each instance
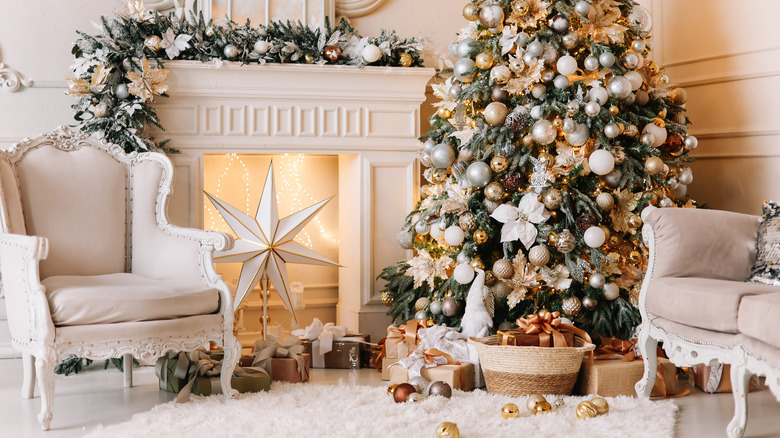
(553, 133)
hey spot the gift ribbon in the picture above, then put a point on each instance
(431, 354)
(266, 349)
(612, 347)
(402, 337)
(330, 332)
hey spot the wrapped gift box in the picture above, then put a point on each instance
(718, 378)
(518, 339)
(345, 353)
(386, 367)
(401, 341)
(173, 373)
(285, 369)
(370, 356)
(610, 378)
(254, 382)
(460, 376)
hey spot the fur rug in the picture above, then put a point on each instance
(294, 410)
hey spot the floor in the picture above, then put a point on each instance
(97, 397)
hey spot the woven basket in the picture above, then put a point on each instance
(516, 371)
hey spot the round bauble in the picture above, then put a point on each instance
(447, 430)
(691, 142)
(405, 60)
(612, 179)
(463, 69)
(535, 113)
(422, 228)
(631, 60)
(450, 306)
(444, 113)
(100, 110)
(420, 383)
(570, 40)
(619, 87)
(498, 164)
(679, 96)
(501, 289)
(415, 398)
(421, 315)
(479, 174)
(261, 47)
(635, 79)
(510, 410)
(494, 191)
(612, 130)
(674, 145)
(565, 241)
(476, 262)
(685, 176)
(582, 8)
(467, 221)
(230, 51)
(495, 113)
(559, 24)
(561, 82)
(464, 48)
(594, 237)
(371, 53)
(402, 392)
(601, 162)
(435, 307)
(602, 406)
(463, 274)
(641, 97)
(209, 32)
(552, 198)
(538, 91)
(592, 109)
(640, 18)
(309, 58)
(436, 232)
(438, 175)
(579, 136)
(331, 53)
(153, 43)
(654, 166)
(535, 48)
(539, 255)
(607, 59)
(567, 65)
(471, 12)
(597, 280)
(589, 303)
(498, 94)
(422, 303)
(387, 298)
(611, 291)
(429, 145)
(544, 132)
(484, 60)
(659, 134)
(605, 201)
(406, 240)
(440, 389)
(598, 95)
(121, 91)
(571, 306)
(500, 74)
(591, 63)
(502, 268)
(454, 90)
(480, 236)
(586, 410)
(491, 15)
(614, 110)
(542, 408)
(442, 155)
(391, 388)
(516, 121)
(454, 235)
(679, 191)
(638, 46)
(533, 400)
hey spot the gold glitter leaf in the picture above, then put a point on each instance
(150, 83)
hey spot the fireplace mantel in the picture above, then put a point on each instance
(369, 117)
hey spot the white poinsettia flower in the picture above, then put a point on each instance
(519, 222)
(174, 44)
(457, 198)
(508, 39)
(556, 277)
(566, 159)
(424, 269)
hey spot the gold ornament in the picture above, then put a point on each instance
(391, 388)
(602, 406)
(614, 110)
(490, 278)
(494, 191)
(444, 113)
(571, 306)
(484, 60)
(659, 122)
(477, 263)
(520, 7)
(430, 322)
(528, 140)
(471, 12)
(605, 201)
(387, 298)
(495, 113)
(480, 236)
(80, 87)
(679, 96)
(447, 430)
(565, 242)
(552, 237)
(533, 399)
(631, 131)
(653, 68)
(405, 60)
(153, 43)
(422, 303)
(510, 410)
(635, 257)
(503, 269)
(586, 409)
(662, 113)
(499, 163)
(539, 255)
(438, 175)
(634, 221)
(149, 83)
(552, 199)
(654, 166)
(467, 221)
(542, 407)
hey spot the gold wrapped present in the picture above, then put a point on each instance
(401, 341)
(610, 378)
(386, 367)
(458, 376)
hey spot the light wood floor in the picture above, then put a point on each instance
(97, 397)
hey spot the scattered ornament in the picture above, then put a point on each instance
(402, 392)
(447, 430)
(440, 388)
(510, 410)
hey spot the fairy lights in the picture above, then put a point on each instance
(217, 222)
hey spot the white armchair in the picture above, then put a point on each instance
(90, 265)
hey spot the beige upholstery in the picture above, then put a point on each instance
(758, 317)
(91, 267)
(693, 301)
(102, 299)
(716, 244)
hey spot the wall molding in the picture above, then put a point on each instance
(720, 57)
(728, 78)
(357, 8)
(11, 80)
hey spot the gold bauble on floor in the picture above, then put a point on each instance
(510, 410)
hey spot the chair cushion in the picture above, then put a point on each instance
(757, 315)
(100, 299)
(766, 269)
(701, 302)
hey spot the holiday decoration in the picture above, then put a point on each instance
(510, 410)
(447, 430)
(265, 245)
(562, 131)
(439, 388)
(134, 45)
(586, 410)
(402, 392)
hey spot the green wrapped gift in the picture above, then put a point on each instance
(244, 380)
(173, 370)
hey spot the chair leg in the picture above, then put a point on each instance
(232, 352)
(28, 382)
(127, 365)
(647, 346)
(44, 367)
(740, 379)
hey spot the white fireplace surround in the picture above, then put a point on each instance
(370, 117)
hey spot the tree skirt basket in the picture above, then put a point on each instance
(515, 371)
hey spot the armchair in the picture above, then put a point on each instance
(90, 265)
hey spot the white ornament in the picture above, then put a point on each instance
(561, 81)
(371, 53)
(544, 132)
(436, 232)
(454, 235)
(635, 79)
(567, 65)
(597, 280)
(463, 273)
(591, 63)
(601, 162)
(592, 109)
(476, 320)
(261, 47)
(611, 291)
(659, 134)
(594, 237)
(579, 136)
(598, 94)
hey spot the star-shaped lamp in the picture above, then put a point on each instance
(265, 243)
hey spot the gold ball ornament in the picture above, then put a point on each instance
(447, 430)
(654, 166)
(444, 113)
(602, 406)
(471, 12)
(153, 43)
(391, 388)
(605, 201)
(662, 113)
(543, 407)
(494, 191)
(520, 7)
(309, 58)
(614, 110)
(533, 400)
(467, 221)
(634, 257)
(552, 199)
(539, 255)
(484, 60)
(679, 96)
(490, 278)
(100, 110)
(528, 140)
(438, 175)
(495, 113)
(503, 269)
(422, 303)
(510, 410)
(565, 242)
(387, 298)
(480, 236)
(405, 60)
(634, 221)
(659, 122)
(430, 322)
(477, 263)
(571, 306)
(499, 163)
(586, 410)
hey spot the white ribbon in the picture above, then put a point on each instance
(440, 337)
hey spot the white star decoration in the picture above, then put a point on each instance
(265, 243)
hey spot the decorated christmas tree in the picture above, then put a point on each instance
(554, 131)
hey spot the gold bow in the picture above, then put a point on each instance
(430, 354)
(616, 347)
(403, 337)
(266, 349)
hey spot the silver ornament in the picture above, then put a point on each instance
(414, 397)
(619, 87)
(589, 303)
(528, 59)
(421, 315)
(465, 154)
(565, 242)
(490, 206)
(638, 46)
(463, 69)
(536, 112)
(691, 142)
(570, 40)
(592, 109)
(607, 59)
(640, 18)
(522, 39)
(561, 81)
(462, 258)
(406, 240)
(454, 91)
(500, 74)
(591, 63)
(571, 306)
(503, 269)
(648, 139)
(501, 289)
(442, 155)
(465, 48)
(579, 136)
(261, 47)
(440, 389)
(428, 145)
(631, 60)
(425, 159)
(538, 91)
(491, 15)
(605, 201)
(420, 383)
(665, 202)
(539, 255)
(582, 8)
(535, 49)
(544, 132)
(121, 91)
(569, 125)
(209, 31)
(598, 94)
(422, 228)
(230, 51)
(506, 325)
(507, 149)
(435, 307)
(597, 280)
(479, 174)
(612, 179)
(611, 130)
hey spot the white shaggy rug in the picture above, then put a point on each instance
(310, 410)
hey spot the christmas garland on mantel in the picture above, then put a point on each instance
(119, 72)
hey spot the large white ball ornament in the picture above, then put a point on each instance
(567, 65)
(592, 109)
(691, 142)
(479, 174)
(582, 8)
(544, 132)
(436, 232)
(538, 91)
(371, 53)
(579, 136)
(611, 130)
(454, 235)
(491, 15)
(635, 79)
(535, 49)
(607, 59)
(601, 162)
(261, 47)
(597, 280)
(659, 134)
(536, 112)
(591, 63)
(611, 291)
(121, 91)
(500, 74)
(594, 237)
(442, 155)
(463, 69)
(495, 113)
(686, 176)
(463, 273)
(598, 95)
(619, 87)
(464, 48)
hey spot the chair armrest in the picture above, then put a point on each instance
(29, 317)
(702, 243)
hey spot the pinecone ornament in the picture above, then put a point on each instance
(585, 221)
(516, 122)
(512, 183)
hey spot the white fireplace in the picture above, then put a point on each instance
(367, 119)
